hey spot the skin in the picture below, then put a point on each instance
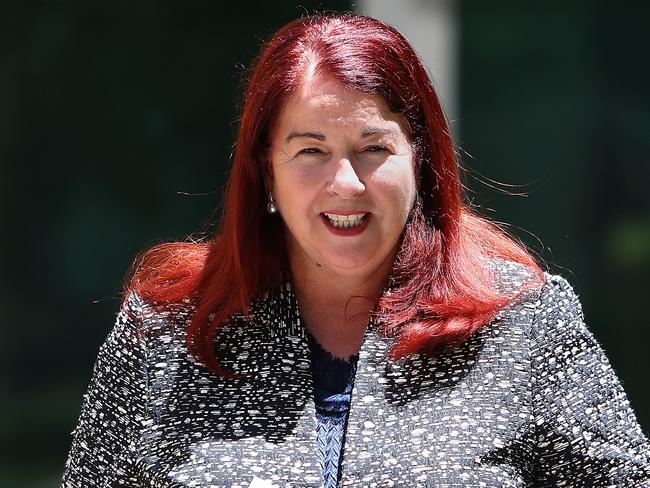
(339, 151)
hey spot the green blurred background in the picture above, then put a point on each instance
(112, 112)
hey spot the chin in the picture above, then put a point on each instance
(349, 265)
(350, 260)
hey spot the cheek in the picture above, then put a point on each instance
(294, 189)
(397, 187)
(307, 176)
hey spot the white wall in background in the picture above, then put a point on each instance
(432, 29)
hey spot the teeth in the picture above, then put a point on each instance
(345, 221)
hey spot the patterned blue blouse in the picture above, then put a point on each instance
(333, 381)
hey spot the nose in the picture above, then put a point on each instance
(346, 182)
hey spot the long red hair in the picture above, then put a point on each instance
(443, 285)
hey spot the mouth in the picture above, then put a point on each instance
(345, 221)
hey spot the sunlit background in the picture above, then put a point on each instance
(116, 128)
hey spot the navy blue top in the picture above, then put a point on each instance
(333, 380)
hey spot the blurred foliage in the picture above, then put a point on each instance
(628, 245)
(116, 127)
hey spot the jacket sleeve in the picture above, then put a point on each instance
(105, 441)
(587, 434)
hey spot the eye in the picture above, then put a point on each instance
(310, 150)
(375, 149)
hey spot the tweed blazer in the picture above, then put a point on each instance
(529, 400)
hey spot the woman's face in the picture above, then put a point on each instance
(342, 177)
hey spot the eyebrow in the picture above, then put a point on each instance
(310, 134)
(371, 131)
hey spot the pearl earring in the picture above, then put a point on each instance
(271, 207)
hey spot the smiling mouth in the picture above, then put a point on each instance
(345, 221)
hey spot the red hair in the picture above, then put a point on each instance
(443, 284)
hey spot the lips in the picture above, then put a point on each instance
(346, 222)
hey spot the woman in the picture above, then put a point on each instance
(352, 323)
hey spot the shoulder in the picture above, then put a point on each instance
(151, 325)
(558, 294)
(135, 307)
(512, 277)
(557, 305)
(550, 295)
(551, 305)
(559, 329)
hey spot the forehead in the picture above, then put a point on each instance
(322, 103)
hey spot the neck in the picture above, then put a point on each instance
(336, 305)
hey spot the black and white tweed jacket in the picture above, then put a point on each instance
(528, 401)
